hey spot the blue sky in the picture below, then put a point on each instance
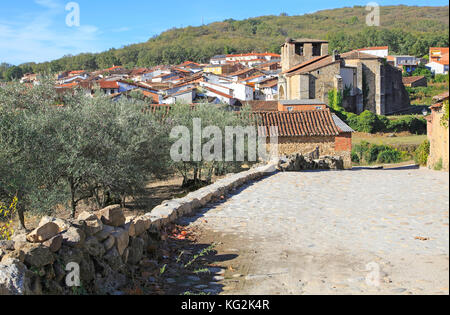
(36, 30)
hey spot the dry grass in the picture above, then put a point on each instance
(400, 139)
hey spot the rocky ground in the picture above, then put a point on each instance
(350, 232)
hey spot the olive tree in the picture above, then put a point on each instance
(66, 148)
(214, 119)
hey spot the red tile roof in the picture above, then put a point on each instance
(441, 97)
(410, 80)
(217, 92)
(306, 63)
(317, 64)
(255, 54)
(263, 106)
(374, 48)
(109, 85)
(298, 123)
(444, 60)
(355, 54)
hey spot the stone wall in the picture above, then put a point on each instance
(304, 145)
(321, 81)
(385, 92)
(438, 136)
(106, 245)
(340, 146)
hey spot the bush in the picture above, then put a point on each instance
(355, 157)
(422, 153)
(441, 78)
(369, 122)
(389, 156)
(439, 165)
(371, 153)
(6, 219)
(411, 124)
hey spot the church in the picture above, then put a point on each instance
(366, 82)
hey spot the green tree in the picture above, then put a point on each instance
(13, 73)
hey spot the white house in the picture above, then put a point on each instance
(438, 67)
(185, 97)
(382, 52)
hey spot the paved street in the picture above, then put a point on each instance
(335, 233)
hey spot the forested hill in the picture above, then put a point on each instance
(406, 29)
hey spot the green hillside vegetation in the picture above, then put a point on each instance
(406, 29)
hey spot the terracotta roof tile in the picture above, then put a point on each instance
(409, 80)
(308, 67)
(263, 106)
(109, 85)
(298, 123)
(355, 54)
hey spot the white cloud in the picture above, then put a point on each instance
(43, 36)
(48, 3)
(122, 29)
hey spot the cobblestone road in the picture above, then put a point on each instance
(329, 232)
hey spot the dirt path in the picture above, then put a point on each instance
(352, 232)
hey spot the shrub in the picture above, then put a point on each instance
(412, 124)
(439, 165)
(371, 153)
(355, 157)
(6, 219)
(441, 78)
(389, 156)
(422, 153)
(444, 118)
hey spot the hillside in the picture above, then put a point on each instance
(406, 29)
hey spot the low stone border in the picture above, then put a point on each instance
(169, 211)
(104, 240)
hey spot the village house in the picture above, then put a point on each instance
(405, 63)
(30, 78)
(366, 81)
(415, 81)
(240, 91)
(439, 60)
(245, 58)
(186, 96)
(382, 52)
(109, 87)
(221, 69)
(438, 133)
(438, 53)
(218, 60)
(300, 105)
(267, 90)
(301, 132)
(270, 67)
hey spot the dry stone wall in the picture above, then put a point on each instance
(105, 245)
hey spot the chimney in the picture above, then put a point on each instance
(335, 55)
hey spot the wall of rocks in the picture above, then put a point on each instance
(311, 161)
(106, 245)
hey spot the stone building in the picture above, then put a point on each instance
(301, 132)
(438, 134)
(367, 82)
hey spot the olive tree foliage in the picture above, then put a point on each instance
(196, 170)
(67, 148)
